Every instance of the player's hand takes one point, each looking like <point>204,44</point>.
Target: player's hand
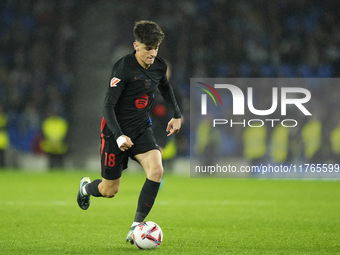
<point>174,126</point>
<point>124,142</point>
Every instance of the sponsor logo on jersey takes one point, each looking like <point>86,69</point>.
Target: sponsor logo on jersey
<point>114,82</point>
<point>142,101</point>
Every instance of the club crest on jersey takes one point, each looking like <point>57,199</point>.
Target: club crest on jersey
<point>114,82</point>
<point>147,84</point>
<point>142,101</point>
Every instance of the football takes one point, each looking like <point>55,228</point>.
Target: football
<point>147,235</point>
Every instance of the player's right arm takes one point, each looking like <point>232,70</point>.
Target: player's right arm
<point>124,142</point>
<point>117,85</point>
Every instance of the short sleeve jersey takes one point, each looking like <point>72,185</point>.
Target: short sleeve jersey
<point>131,93</point>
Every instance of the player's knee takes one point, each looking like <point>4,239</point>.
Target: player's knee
<point>156,174</point>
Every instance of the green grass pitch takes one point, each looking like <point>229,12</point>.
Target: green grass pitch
<point>39,215</point>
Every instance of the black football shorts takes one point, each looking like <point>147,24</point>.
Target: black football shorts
<point>114,161</point>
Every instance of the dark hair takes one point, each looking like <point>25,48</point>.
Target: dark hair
<point>148,33</point>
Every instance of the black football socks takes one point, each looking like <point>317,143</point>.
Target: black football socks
<point>92,188</point>
<point>146,199</point>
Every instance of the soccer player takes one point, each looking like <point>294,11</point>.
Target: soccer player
<point>126,125</point>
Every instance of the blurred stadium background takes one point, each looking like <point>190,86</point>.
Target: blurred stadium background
<point>56,58</point>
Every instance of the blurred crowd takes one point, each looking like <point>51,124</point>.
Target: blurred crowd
<point>215,38</point>
<point>204,38</point>
<point>36,70</point>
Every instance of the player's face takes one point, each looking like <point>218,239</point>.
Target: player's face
<point>145,54</point>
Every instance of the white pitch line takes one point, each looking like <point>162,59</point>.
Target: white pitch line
<point>161,203</point>
<point>216,202</point>
<point>26,203</point>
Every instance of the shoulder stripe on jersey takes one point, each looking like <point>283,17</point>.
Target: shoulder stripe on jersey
<point>114,82</point>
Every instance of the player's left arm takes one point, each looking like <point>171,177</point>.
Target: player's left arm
<point>174,125</point>
<point>167,93</point>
